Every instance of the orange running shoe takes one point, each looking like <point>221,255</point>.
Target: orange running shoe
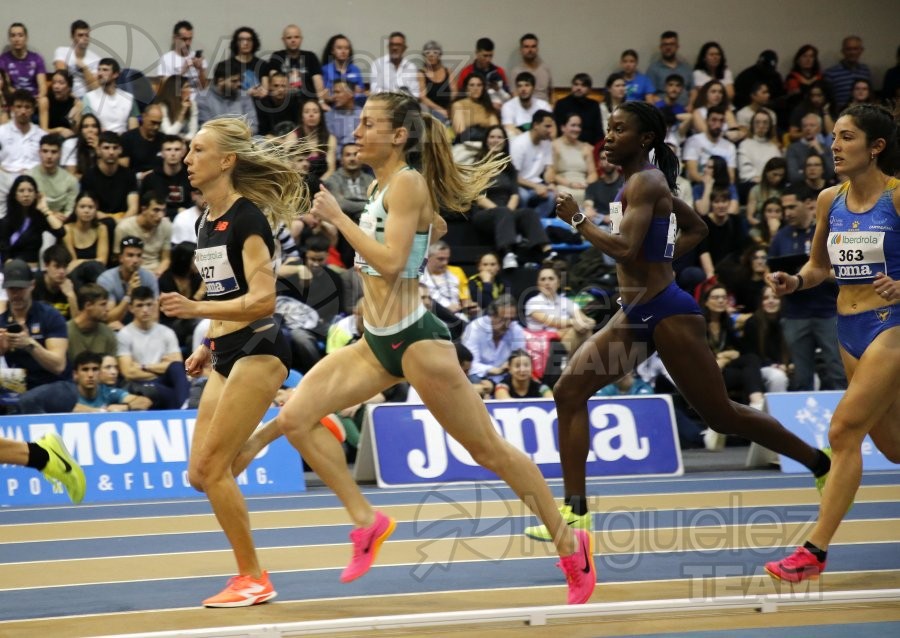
<point>243,591</point>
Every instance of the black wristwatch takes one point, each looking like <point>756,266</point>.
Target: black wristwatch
<point>577,218</point>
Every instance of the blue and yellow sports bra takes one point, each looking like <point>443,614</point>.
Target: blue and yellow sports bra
<point>861,245</point>
<point>659,242</point>
<point>372,222</point>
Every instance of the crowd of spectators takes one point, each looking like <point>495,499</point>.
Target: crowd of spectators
<point>97,214</point>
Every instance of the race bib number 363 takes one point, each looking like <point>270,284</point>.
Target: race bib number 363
<point>857,255</point>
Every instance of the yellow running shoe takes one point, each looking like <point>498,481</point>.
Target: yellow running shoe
<point>821,480</point>
<point>573,520</point>
<point>62,468</point>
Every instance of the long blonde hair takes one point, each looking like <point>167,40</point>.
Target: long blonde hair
<point>264,172</point>
<point>452,187</point>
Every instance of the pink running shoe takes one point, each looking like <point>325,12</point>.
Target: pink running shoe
<point>579,569</point>
<point>799,566</point>
<point>366,543</point>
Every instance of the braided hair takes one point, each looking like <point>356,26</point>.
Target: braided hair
<point>652,121</point>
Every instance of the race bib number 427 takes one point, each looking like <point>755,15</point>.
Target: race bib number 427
<point>216,270</point>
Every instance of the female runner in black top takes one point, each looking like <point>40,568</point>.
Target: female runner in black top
<point>248,189</point>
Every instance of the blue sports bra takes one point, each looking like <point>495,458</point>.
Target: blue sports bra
<point>659,242</point>
<point>861,245</point>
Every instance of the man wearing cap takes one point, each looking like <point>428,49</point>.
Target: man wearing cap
<point>128,275</point>
<point>33,335</point>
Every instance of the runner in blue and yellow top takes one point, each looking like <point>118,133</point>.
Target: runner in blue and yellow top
<point>402,339</point>
<point>857,241</point>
